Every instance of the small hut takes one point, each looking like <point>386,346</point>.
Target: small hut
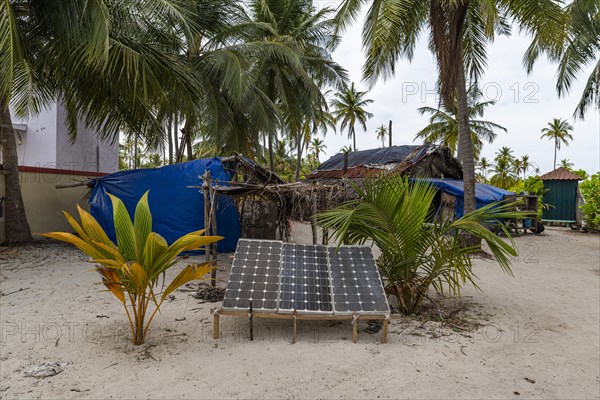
<point>426,160</point>
<point>562,188</point>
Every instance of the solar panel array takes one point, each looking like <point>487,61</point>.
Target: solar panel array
<point>310,279</point>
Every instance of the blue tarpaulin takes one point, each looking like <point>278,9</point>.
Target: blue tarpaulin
<point>176,208</point>
<point>484,194</point>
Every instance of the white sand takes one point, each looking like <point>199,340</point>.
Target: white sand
<point>542,325</point>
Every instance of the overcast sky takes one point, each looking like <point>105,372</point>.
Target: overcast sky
<point>524,112</point>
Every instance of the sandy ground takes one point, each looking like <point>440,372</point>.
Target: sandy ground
<point>534,335</point>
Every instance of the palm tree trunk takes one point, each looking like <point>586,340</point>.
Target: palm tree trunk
<point>188,142</point>
<point>299,158</point>
<point>175,137</point>
<point>465,142</point>
<point>354,139</point>
<point>555,149</point>
<point>135,152</point>
<point>170,139</point>
<point>17,228</point>
<point>271,155</point>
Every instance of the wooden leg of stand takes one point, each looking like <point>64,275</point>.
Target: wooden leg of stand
<point>384,331</point>
<point>216,325</point>
<point>354,330</point>
<point>294,333</point>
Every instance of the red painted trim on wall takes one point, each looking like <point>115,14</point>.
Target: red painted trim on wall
<point>58,171</point>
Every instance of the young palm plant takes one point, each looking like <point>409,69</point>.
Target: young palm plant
<point>418,251</point>
<point>130,269</point>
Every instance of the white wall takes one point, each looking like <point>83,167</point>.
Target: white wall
<point>88,152</point>
<point>46,144</point>
<point>37,147</point>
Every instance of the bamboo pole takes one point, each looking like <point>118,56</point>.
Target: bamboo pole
<point>313,217</point>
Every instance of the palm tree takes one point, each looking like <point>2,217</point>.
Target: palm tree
<point>317,146</point>
<point>346,149</point>
<point>349,108</point>
<point>575,49</point>
<point>524,165</point>
<point>293,68</point>
<point>566,164</point>
<point>382,132</point>
<point>484,166</point>
<point>417,253</point>
<point>443,125</point>
<point>504,174</point>
<point>85,53</point>
<point>559,131</point>
<point>505,154</point>
<point>459,30</point>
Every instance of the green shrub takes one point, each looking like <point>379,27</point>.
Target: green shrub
<point>590,190</point>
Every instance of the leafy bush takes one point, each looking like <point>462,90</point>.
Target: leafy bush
<point>416,254</point>
<point>130,270</point>
<point>590,190</point>
<point>534,186</point>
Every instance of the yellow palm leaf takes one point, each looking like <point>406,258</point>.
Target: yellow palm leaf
<point>136,277</point>
<point>124,229</point>
<point>142,224</point>
<point>92,228</point>
<point>81,244</point>
<point>189,273</point>
<point>110,279</point>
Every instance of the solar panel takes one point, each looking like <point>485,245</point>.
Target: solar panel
<point>309,279</point>
<point>305,282</point>
<point>254,276</point>
<point>356,284</point>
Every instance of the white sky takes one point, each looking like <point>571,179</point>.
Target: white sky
<point>523,114</point>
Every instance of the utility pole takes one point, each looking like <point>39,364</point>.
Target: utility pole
<point>390,132</point>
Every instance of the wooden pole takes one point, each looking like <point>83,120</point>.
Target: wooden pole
<point>205,193</point>
<point>213,224</point>
<point>216,325</point>
<point>294,333</point>
<point>313,217</point>
<point>250,322</point>
<point>390,132</point>
<point>384,331</point>
<point>354,329</point>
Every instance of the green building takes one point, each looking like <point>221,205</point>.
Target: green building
<point>562,187</point>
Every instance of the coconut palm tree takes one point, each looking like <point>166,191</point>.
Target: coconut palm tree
<point>484,166</point>
<point>505,154</point>
<point>558,130</point>
<point>458,30</point>
<point>346,149</point>
<point>524,165</point>
<point>504,173</point>
<point>85,53</point>
<point>317,146</point>
<point>382,132</point>
<point>566,164</point>
<point>577,48</point>
<point>443,124</point>
<point>349,108</point>
<point>293,66</point>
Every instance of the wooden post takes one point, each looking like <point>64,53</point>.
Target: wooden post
<point>213,224</point>
<point>345,163</point>
<point>313,217</point>
<point>354,328</point>
<point>250,322</point>
<point>390,132</point>
<point>384,330</point>
<point>216,324</point>
<point>294,333</point>
<point>205,191</point>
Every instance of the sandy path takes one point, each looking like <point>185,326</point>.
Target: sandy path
<point>542,325</point>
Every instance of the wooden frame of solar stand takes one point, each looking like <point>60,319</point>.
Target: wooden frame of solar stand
<point>295,317</point>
